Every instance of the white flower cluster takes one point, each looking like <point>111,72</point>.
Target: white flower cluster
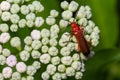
<point>4,37</point>
<point>49,46</point>
<point>57,67</point>
<point>10,10</point>
<point>83,16</point>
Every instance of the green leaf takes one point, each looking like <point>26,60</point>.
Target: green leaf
<point>95,65</point>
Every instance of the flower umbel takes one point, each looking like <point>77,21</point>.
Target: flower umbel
<point>33,44</point>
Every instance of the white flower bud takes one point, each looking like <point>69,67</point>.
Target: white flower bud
<point>87,8</point>
<point>11,61</point>
<point>87,37</point>
<point>51,69</point>
<point>91,23</point>
<point>56,76</point>
<point>94,35</point>
<point>54,13</point>
<point>66,36</point>
<point>94,42</point>
<point>28,40</point>
<point>71,46</point>
<point>28,48</point>
<point>53,42</point>
<point>16,76</point>
<point>24,55</point>
<point>62,43</point>
<point>14,27</point>
<point>96,30</point>
<point>31,7</point>
<point>5,16</point>
<point>4,27</point>
<point>14,18</point>
<point>6,52</point>
<point>45,41</point>
<point>54,35</point>
<point>2,60</point>
<point>30,16</point>
<point>53,51</point>
<point>21,67</point>
<point>75,57</point>
<point>82,21</point>
<point>80,14</point>
<point>67,60</point>
<point>73,6</point>
<point>70,71</point>
<point>22,23</point>
<point>88,14</point>
<point>35,34</point>
<point>24,9</point>
<point>45,76</point>
<point>78,75</point>
<point>83,67</point>
<point>39,21</point>
<point>55,60</point>
<point>45,33</point>
<point>63,23</point>
<point>30,78</point>
<point>61,68</point>
<point>65,51</point>
<point>88,29</point>
<point>4,37</point>
<point>64,5</point>
<point>50,20</point>
<point>38,6</point>
<point>67,15</point>
<point>31,70</point>
<point>45,58</point>
<point>44,49</point>
<point>35,54</point>
<point>16,42</point>
<point>54,29</point>
<point>7,72</point>
<point>30,23</point>
<point>76,65</point>
<point>63,76</point>
<point>15,8</point>
<point>5,5</point>
<point>36,44</point>
<point>36,64</point>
